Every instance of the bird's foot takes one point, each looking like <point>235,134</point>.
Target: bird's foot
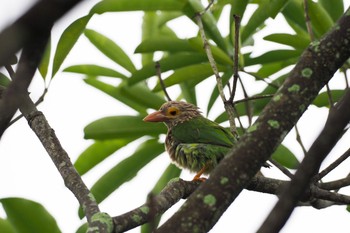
<point>201,179</point>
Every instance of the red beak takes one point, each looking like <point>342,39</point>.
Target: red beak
<point>157,116</point>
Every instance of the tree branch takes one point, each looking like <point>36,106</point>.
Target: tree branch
<point>205,206</point>
<point>228,106</point>
<point>178,189</point>
<point>36,22</point>
<point>30,32</point>
<point>60,158</point>
<point>339,117</point>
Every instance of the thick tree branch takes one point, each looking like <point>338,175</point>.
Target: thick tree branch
<point>179,189</point>
<point>339,117</point>
<point>15,93</point>
<point>36,22</point>
<point>40,126</point>
<point>314,69</point>
<point>30,32</point>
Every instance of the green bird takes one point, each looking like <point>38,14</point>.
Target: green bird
<point>193,141</point>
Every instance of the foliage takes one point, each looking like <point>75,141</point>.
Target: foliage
<point>189,67</point>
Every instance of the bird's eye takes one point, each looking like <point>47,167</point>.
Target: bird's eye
<point>173,111</point>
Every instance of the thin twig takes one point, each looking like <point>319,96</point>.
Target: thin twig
<point>211,2</point>
<point>330,98</point>
<point>236,57</point>
<point>308,20</point>
<point>346,79</point>
<point>247,104</point>
<point>40,100</point>
<point>332,166</point>
<point>298,138</point>
<point>228,106</point>
<point>252,98</point>
<point>281,168</point>
<point>159,74</point>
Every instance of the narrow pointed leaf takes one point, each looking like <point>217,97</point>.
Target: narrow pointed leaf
<point>29,216</point>
<point>45,61</point>
<point>219,55</point>
<point>137,97</point>
<point>271,68</point>
<point>150,29</point>
<point>94,70</point>
<point>285,157</point>
<point>335,8</point>
<point>67,40</point>
<point>121,127</point>
<point>97,152</point>
<point>6,226</point>
<point>322,100</point>
<point>294,13</point>
<point>295,41</point>
<point>172,62</point>
<point>266,10</point>
<point>109,48</point>
<point>126,169</point>
<point>4,80</point>
<point>164,44</point>
<point>193,74</point>
<point>209,22</point>
<point>272,56</point>
<point>215,93</point>
<point>320,19</point>
<point>136,5</point>
<point>188,92</point>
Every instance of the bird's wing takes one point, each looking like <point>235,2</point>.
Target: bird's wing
<point>202,130</point>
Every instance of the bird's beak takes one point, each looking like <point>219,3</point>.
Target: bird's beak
<point>157,116</point>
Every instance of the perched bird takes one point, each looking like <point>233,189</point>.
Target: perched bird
<point>193,141</point>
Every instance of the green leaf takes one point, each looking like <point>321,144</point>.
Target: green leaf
<point>164,44</point>
<point>193,74</point>
<point>294,14</point>
<point>322,100</point>
<point>209,22</point>
<point>172,62</point>
<point>67,40</point>
<point>83,228</point>
<point>97,152</point>
<point>271,68</point>
<point>126,169</point>
<point>6,226</point>
<point>335,8</point>
<point>215,93</point>
<point>94,70</point>
<point>272,56</point>
<point>136,5</point>
<point>295,41</point>
<point>110,49</point>
<point>320,20</point>
<point>138,96</point>
<point>150,29</point>
<point>4,80</point>
<point>188,92</point>
<point>122,127</point>
<point>45,61</point>
<point>28,216</point>
<point>285,157</point>
<point>219,55</point>
<point>265,10</point>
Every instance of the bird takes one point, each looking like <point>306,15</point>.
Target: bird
<point>193,142</point>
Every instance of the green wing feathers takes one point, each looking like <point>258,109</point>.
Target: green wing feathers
<point>202,130</point>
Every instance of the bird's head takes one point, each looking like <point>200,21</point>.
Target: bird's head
<point>173,113</point>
